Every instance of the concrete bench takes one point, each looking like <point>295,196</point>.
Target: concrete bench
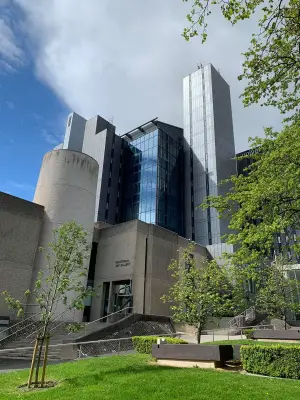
<point>192,355</point>
<point>4,321</point>
<point>269,335</point>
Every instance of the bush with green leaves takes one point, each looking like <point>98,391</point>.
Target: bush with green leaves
<point>143,344</point>
<point>276,360</point>
<point>248,333</point>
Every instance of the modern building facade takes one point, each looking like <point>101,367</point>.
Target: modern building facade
<point>128,263</point>
<point>140,172</point>
<point>153,173</point>
<point>138,196</point>
<point>209,151</point>
<point>160,173</point>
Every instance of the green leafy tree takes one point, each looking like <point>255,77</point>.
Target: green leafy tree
<point>62,282</point>
<point>200,291</point>
<point>277,292</point>
<point>265,201</point>
<point>272,62</point>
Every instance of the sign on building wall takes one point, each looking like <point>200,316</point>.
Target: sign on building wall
<point>122,263</point>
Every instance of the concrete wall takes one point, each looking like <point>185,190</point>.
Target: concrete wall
<point>101,143</point>
<point>73,139</point>
<point>67,189</point>
<point>149,250</point>
<point>20,226</point>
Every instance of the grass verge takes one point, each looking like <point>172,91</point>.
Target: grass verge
<point>134,377</point>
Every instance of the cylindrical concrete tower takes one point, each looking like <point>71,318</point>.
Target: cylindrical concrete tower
<point>67,189</point>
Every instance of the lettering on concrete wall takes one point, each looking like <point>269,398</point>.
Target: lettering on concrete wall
<point>122,263</point>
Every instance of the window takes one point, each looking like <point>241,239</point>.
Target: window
<point>189,261</point>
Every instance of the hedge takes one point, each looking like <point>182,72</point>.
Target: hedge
<point>276,360</point>
<point>143,344</point>
<point>248,333</point>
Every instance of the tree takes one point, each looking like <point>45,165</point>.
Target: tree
<point>200,291</point>
<point>272,61</point>
<point>62,283</point>
<point>265,202</point>
<point>277,293</point>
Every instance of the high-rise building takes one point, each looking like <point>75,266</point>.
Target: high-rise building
<point>209,151</point>
<point>159,173</point>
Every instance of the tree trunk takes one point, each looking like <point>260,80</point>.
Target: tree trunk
<point>284,321</point>
<point>199,330</point>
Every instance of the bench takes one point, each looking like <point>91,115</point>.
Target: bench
<point>192,355</point>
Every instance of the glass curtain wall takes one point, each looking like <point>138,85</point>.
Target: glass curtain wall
<point>141,177</point>
<point>169,184</point>
<point>154,168</point>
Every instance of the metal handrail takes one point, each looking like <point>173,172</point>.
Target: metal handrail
<point>109,315</point>
<point>59,316</point>
<point>62,322</point>
<point>91,342</point>
<point>233,321</point>
<point>10,327</point>
<point>240,328</point>
<point>20,330</point>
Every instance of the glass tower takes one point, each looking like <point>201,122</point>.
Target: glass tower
<point>153,174</point>
<point>209,151</point>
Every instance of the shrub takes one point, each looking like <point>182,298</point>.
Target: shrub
<point>248,333</point>
<point>276,360</point>
<point>143,344</point>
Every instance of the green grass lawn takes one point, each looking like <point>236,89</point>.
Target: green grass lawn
<point>133,377</point>
<point>249,341</point>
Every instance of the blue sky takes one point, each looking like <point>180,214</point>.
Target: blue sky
<point>32,118</point>
<point>31,123</point>
<point>120,59</point>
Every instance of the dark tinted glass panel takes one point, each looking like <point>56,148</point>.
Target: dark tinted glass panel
<point>154,178</point>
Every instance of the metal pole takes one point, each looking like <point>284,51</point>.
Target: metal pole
<point>80,351</point>
<point>213,336</point>
<point>228,334</point>
<point>119,345</point>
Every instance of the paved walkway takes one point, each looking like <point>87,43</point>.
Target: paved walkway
<point>211,338</point>
<point>8,364</point>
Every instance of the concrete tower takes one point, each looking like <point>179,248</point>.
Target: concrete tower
<point>74,134</point>
<point>209,151</point>
<point>67,189</point>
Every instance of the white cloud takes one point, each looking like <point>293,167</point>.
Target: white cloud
<point>11,54</point>
<point>127,59</point>
<point>6,68</point>
<point>36,117</point>
<point>10,105</point>
<point>49,137</point>
<point>21,185</point>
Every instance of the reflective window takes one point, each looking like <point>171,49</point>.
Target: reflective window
<point>153,179</point>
